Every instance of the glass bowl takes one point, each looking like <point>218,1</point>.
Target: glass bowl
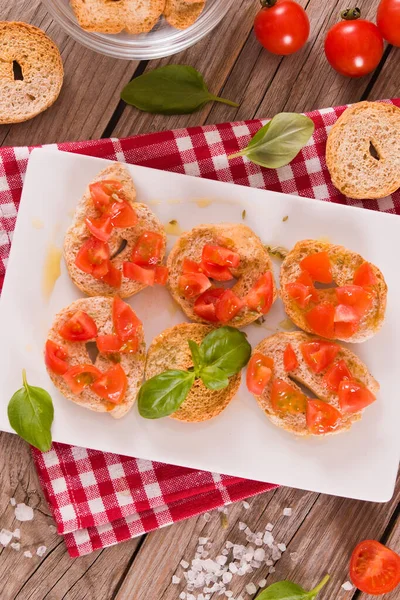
<point>162,41</point>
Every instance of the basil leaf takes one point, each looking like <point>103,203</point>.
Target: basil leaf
<point>196,356</point>
<point>170,90</point>
<point>226,348</point>
<point>30,412</point>
<point>279,141</point>
<point>214,378</point>
<point>286,590</point>
<point>163,394</point>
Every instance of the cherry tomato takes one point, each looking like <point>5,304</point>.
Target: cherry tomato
<point>354,47</point>
<point>81,376</point>
<point>282,26</point>
<point>148,249</point>
<point>161,275</point>
<point>356,297</point>
<point>321,319</point>
<point>122,215</point>
<point>204,306</point>
<point>364,275</point>
<point>290,362</point>
<point>319,354</point>
<point>78,328</point>
<point>216,271</point>
<point>101,228</point>
<point>227,306</point>
<point>218,255</point>
<point>138,273</point>
<point>321,417</point>
<point>55,357</point>
<point>318,266</point>
<point>374,569</point>
<point>111,385</point>
<point>259,372</point>
<point>125,320</point>
<point>113,277</point>
<point>354,396</point>
<point>261,295</point>
<point>93,258</point>
<point>286,399</point>
<point>335,374</point>
<point>388,21</point>
<point>109,343</point>
<point>192,285</point>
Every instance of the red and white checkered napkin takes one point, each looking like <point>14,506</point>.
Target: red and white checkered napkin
<point>100,499</point>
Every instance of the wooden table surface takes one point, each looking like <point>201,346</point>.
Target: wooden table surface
<point>323,529</point>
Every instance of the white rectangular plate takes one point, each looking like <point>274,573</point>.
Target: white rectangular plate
<point>361,463</point>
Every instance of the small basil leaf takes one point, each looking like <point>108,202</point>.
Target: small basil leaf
<point>226,348</point>
<point>163,394</point>
<point>31,413</point>
<point>170,90</point>
<point>214,378</point>
<point>286,590</point>
<point>196,356</point>
<point>279,141</point>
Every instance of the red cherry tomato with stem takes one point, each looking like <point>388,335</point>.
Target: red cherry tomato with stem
<point>282,26</point>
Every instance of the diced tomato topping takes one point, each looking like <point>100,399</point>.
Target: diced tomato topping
<point>302,290</point>
<point>192,285</point>
<point>286,399</point>
<point>55,357</point>
<point>354,396</point>
<point>365,276</point>
<point>228,305</point>
<point>306,280</point>
<point>374,568</point>
<point>101,228</point>
<point>290,362</point>
<point>111,385</point>
<point>161,275</point>
<point>122,215</point>
<point>218,255</point>
<point>204,306</point>
<point>346,330</point>
<point>259,372</point>
<point>78,328</point>
<point>101,192</point>
<point>355,296</point>
<point>148,249</point>
<point>216,271</point>
<point>81,376</point>
<point>261,295</point>
<point>335,374</point>
<point>319,354</point>
<point>321,417</point>
<point>109,343</point>
<point>318,266</point>
<point>113,277</point>
<point>93,258</point>
<point>345,314</point>
<point>190,266</point>
<point>320,319</point>
<point>125,320</point>
<point>137,273</point>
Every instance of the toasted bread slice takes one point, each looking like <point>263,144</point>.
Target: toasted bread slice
<point>254,262</point>
<point>344,263</point>
<point>170,350</point>
<point>78,233</point>
<point>274,347</point>
<point>363,150</point>
<point>181,14</point>
<point>132,16</point>
<point>41,67</point>
<point>100,310</point>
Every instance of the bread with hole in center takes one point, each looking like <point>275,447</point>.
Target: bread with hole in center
<point>105,16</point>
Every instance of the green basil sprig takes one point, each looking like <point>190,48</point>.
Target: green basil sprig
<point>31,413</point>
<point>221,354</point>
<point>170,90</point>
<point>279,141</point>
<point>286,590</point>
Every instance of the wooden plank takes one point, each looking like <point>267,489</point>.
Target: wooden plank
<point>387,84</point>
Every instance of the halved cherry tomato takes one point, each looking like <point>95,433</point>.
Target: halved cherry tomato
<point>228,305</point>
<point>93,258</point>
<point>302,290</point>
<point>161,275</point>
<point>122,215</point>
<point>125,320</point>
<point>216,271</point>
<point>290,362</point>
<point>354,396</point>
<point>354,295</point>
<point>364,275</point>
<point>148,249</point>
<point>101,192</point>
<point>78,328</point>
<point>346,330</point>
<point>321,417</point>
<point>192,285</point>
<point>190,266</point>
<point>113,277</point>
<point>101,228</point>
<point>319,354</point>
<point>346,314</point>
<point>261,295</point>
<point>204,306</point>
<point>335,374</point>
<point>137,273</point>
<point>111,385</point>
<point>374,569</point>
<point>259,372</point>
<point>55,357</point>
<point>321,319</point>
<point>81,376</point>
<point>318,266</point>
<point>285,398</point>
<point>218,255</point>
<point>109,343</point>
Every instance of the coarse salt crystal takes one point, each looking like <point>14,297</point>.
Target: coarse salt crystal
<point>245,504</point>
<point>182,596</point>
<point>258,542</point>
<point>227,577</point>
<point>251,588</point>
<point>225,552</point>
<point>269,527</point>
<point>248,531</point>
<point>184,564</point>
<point>228,594</point>
<point>229,545</point>
<point>262,583</point>
<point>200,549</point>
<point>221,560</point>
<point>271,570</point>
<point>5,537</point>
<point>347,586</point>
<point>287,512</point>
<point>294,556</point>
<point>28,554</point>
<point>233,568</point>
<point>175,579</point>
<point>256,564</point>
<point>207,516</point>
<point>41,551</point>
<point>23,512</point>
<point>223,510</point>
<point>242,526</point>
<point>268,539</point>
<point>52,528</point>
<point>17,533</point>
<point>259,554</point>
<point>15,546</point>
<point>203,541</point>
<point>13,501</point>
<point>190,597</point>
<point>275,553</point>
<point>269,562</point>
<point>282,547</point>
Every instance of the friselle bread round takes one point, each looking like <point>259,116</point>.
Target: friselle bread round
<point>363,150</point>
<point>100,310</point>
<point>41,67</point>
<point>170,350</point>
<point>274,347</point>
<point>105,16</point>
<point>181,14</point>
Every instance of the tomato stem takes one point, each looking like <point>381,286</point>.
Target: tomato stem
<point>268,3</point>
<point>351,14</point>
